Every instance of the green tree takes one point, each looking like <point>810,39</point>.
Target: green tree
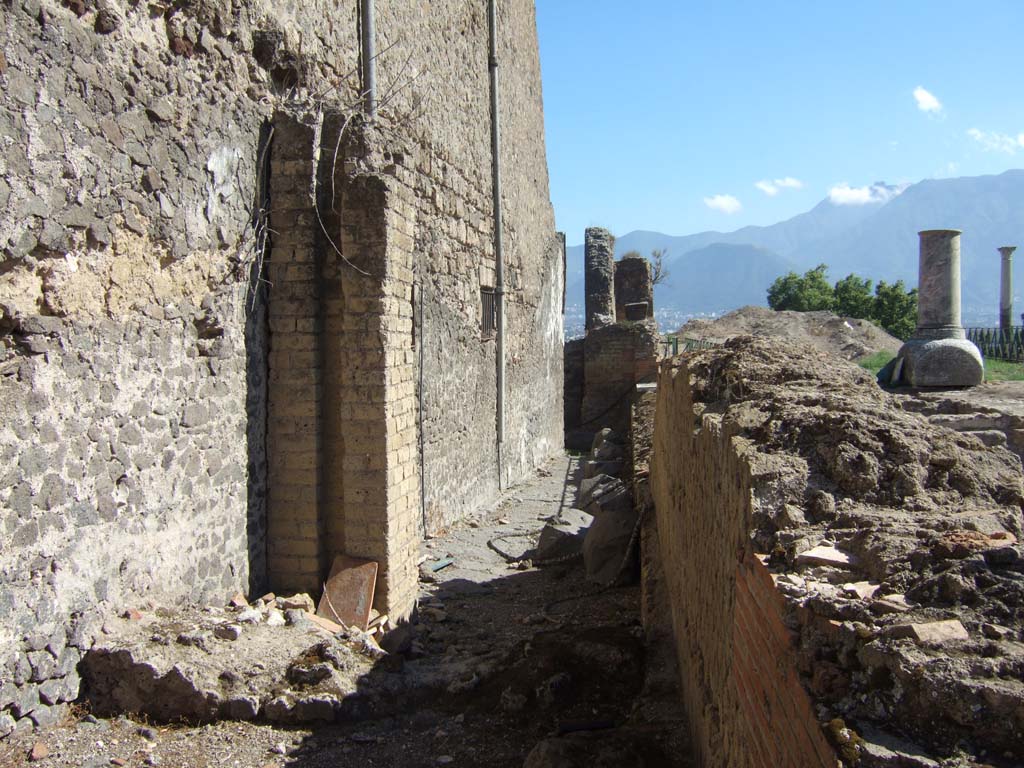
<point>895,308</point>
<point>805,293</point>
<point>892,307</point>
<point>853,297</point>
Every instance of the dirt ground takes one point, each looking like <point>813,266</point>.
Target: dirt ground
<point>847,337</point>
<point>549,658</point>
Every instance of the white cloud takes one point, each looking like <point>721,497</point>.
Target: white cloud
<point>723,203</point>
<point>771,187</point>
<point>926,101</point>
<point>992,141</point>
<point>879,192</point>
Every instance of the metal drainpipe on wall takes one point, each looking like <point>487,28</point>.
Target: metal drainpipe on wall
<point>499,261</point>
<point>368,51</point>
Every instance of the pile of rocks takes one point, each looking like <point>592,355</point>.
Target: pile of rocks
<point>603,526</point>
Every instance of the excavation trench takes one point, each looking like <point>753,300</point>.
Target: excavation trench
<point>508,664</point>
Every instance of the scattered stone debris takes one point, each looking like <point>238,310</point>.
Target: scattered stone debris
<point>201,666</point>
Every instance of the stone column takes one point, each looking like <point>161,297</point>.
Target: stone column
<point>938,285</point>
<point>1006,288</point>
<point>939,354</point>
<point>599,277</point>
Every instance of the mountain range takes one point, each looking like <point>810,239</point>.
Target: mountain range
<point>719,271</point>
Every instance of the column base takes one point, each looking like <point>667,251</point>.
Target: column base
<point>941,363</point>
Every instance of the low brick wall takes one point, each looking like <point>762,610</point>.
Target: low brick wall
<point>745,705</point>
<point>615,359</point>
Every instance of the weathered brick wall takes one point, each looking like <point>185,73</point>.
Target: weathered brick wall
<point>134,166</point>
<point>573,372</point>
<point>296,555</point>
<point>615,359</point>
<point>745,705</point>
<point>633,286</point>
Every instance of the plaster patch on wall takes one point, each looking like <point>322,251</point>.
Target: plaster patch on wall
<point>134,273</point>
<point>222,169</point>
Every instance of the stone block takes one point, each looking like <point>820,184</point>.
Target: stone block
<point>826,555</point>
<point>931,633</point>
<point>563,537</point>
<point>606,548</point>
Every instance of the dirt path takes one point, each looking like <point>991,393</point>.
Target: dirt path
<point>497,667</point>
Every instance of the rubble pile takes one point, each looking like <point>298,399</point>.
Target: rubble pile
<point>272,660</point>
<point>895,543</point>
<point>602,527</point>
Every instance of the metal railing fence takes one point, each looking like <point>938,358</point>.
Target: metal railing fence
<point>998,343</point>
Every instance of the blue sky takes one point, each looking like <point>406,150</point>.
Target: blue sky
<point>666,114</point>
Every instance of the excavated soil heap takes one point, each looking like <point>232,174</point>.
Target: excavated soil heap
<point>881,531</point>
<point>848,337</point>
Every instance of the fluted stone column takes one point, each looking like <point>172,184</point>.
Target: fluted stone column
<point>939,354</point>
<point>1006,288</point>
<point>599,277</point>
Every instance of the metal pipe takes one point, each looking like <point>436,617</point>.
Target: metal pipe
<point>369,56</point>
<point>499,252</point>
<point>419,415</point>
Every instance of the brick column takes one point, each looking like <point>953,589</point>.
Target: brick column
<point>373,504</point>
<point>294,542</point>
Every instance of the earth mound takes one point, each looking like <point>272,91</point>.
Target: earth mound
<point>848,337</point>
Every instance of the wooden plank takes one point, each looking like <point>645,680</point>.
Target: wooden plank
<point>348,594</point>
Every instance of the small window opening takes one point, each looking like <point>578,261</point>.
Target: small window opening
<point>488,313</point>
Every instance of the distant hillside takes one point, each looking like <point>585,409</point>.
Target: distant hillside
<point>877,240</point>
<point>696,278</point>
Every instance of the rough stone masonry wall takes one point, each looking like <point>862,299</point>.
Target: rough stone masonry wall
<point>434,258</point>
<point>615,359</point>
<point>454,259</point>
<point>819,541</point>
<point>133,141</point>
<point>133,342</point>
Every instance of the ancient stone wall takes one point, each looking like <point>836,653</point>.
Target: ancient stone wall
<point>599,277</point>
<point>634,289</point>
<point>573,362</point>
<point>455,259</point>
<point>141,165</point>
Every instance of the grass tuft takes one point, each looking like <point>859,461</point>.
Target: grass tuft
<point>877,361</point>
<point>1000,370</point>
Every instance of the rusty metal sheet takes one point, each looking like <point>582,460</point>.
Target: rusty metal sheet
<point>348,594</point>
